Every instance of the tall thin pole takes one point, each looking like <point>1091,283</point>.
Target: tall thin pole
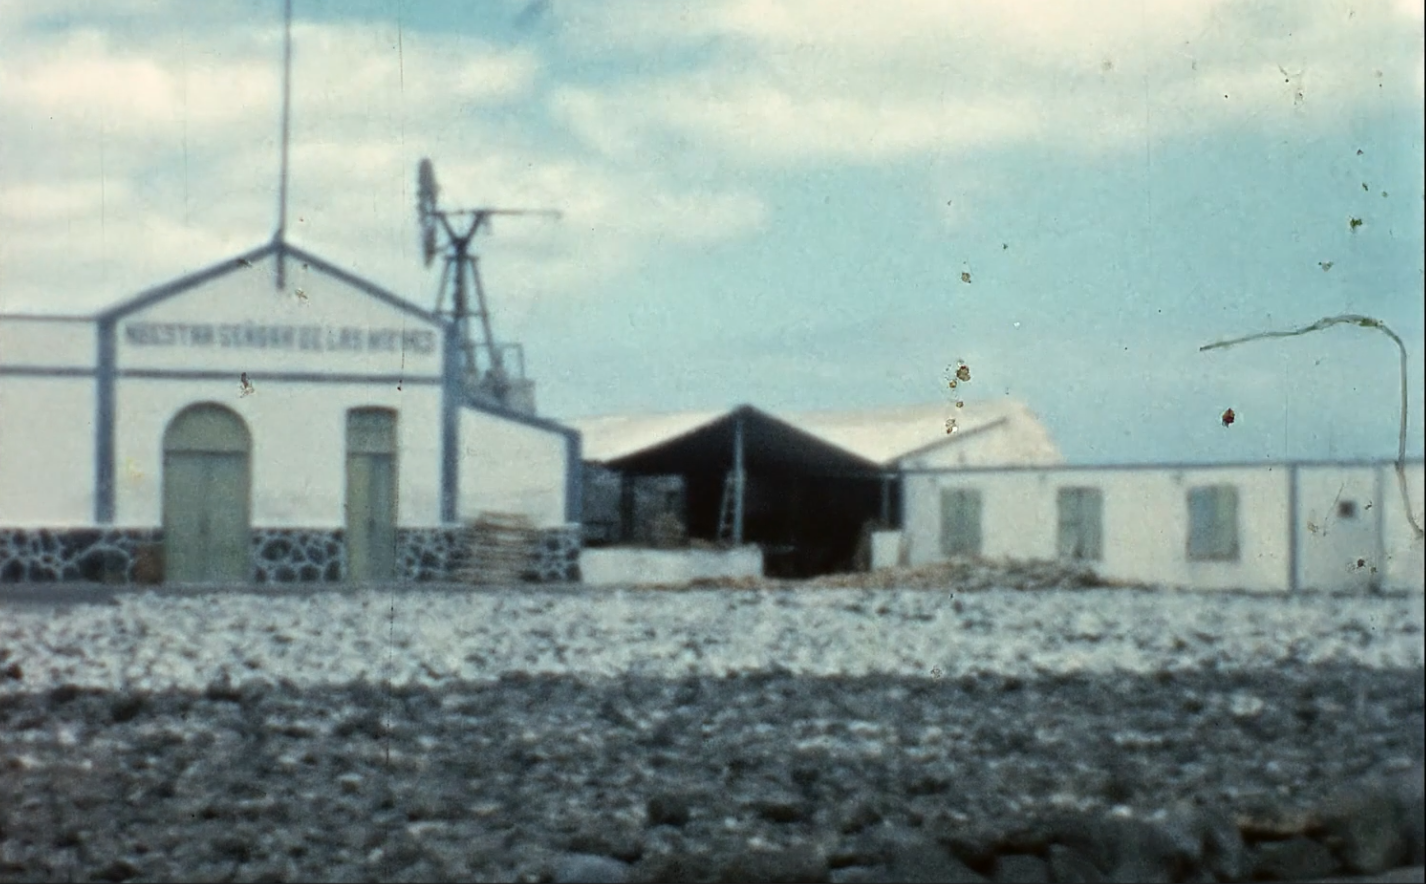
<point>739,481</point>
<point>280,237</point>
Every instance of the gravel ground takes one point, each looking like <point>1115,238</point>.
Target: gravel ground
<point>835,734</point>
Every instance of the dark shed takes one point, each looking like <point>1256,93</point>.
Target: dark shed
<point>749,477</point>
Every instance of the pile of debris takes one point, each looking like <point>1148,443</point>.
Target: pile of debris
<point>961,574</point>
<point>497,549</point>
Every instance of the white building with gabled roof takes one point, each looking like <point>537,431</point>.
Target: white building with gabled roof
<point>222,427</point>
<point>1001,432</point>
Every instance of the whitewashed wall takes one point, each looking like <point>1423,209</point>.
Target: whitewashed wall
<point>317,325</point>
<point>46,424</point>
<point>508,467</point>
<point>47,342</point>
<point>46,452</point>
<point>335,328</point>
<point>1330,543</point>
<point>1145,526</point>
<point>1405,564</point>
<point>299,447</point>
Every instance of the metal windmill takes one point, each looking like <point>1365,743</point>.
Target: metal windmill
<point>450,231</point>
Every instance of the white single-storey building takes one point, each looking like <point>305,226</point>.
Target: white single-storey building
<point>270,418</point>
<point>1258,527</point>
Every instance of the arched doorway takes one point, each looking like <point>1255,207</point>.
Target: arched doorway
<point>207,536</point>
<point>371,494</point>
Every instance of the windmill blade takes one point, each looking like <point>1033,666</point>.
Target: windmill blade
<point>426,194</point>
<point>428,240</point>
<point>426,182</point>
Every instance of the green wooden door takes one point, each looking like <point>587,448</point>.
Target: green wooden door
<point>206,487</point>
<point>371,495</point>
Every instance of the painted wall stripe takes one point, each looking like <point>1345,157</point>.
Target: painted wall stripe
<point>46,371</point>
<point>450,422</point>
<point>1294,577</point>
<point>574,480</point>
<point>104,425</point>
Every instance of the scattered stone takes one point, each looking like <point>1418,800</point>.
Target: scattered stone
<point>1224,854</point>
<point>1271,821</point>
<point>628,847</point>
<point>862,875</point>
<point>798,864</point>
<point>768,775</point>
<point>1364,828</point>
<point>1070,867</point>
<point>861,815</point>
<point>118,870</point>
<point>126,707</point>
<point>782,809</point>
<point>1020,868</point>
<point>668,809</point>
<point>918,860</point>
<point>1294,859</point>
<point>583,868</point>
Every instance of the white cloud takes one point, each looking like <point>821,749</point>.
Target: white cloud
<point>129,160</point>
<point>832,80</point>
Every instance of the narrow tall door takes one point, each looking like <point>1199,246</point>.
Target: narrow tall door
<point>371,495</point>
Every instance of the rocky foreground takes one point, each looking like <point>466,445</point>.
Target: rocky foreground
<point>716,736</point>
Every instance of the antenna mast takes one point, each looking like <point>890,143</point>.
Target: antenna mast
<point>459,227</point>
<point>279,238</point>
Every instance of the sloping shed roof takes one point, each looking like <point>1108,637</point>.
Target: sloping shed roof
<point>886,437</point>
<point>667,444</point>
<point>612,437</point>
<point>889,435</point>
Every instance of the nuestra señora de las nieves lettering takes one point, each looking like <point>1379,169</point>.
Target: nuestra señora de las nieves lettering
<point>261,336</point>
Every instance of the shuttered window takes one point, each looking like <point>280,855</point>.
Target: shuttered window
<point>1213,523</point>
<point>1081,524</point>
<point>960,522</point>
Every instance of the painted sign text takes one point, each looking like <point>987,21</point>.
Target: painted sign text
<point>253,336</point>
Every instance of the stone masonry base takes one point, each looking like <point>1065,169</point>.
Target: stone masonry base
<point>279,555</point>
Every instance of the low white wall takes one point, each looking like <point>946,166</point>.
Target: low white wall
<point>650,567</point>
<point>886,549</point>
<point>509,467</point>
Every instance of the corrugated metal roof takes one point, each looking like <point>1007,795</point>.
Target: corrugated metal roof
<point>880,435</point>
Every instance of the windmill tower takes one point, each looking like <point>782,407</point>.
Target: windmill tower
<point>487,366</point>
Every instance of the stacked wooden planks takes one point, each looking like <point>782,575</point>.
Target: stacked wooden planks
<point>498,549</point>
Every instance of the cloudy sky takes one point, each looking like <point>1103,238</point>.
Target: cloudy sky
<point>798,204</point>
